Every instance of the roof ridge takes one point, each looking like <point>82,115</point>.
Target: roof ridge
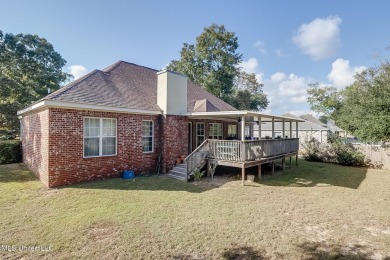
<point>116,64</point>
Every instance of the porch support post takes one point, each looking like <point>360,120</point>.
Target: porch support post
<point>296,160</point>
<point>290,129</point>
<point>243,174</point>
<point>290,163</point>
<point>273,128</point>
<point>259,118</point>
<point>283,164</point>
<point>259,171</point>
<point>273,167</point>
<point>243,128</point>
<point>296,129</point>
<point>283,132</point>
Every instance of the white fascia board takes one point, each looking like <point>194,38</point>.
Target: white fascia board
<point>242,113</point>
<point>82,106</point>
<point>218,113</point>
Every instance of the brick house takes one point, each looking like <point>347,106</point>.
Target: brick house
<point>125,116</point>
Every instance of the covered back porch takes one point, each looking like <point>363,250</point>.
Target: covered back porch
<point>244,150</point>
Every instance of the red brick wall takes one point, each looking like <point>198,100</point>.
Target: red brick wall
<point>35,143</point>
<point>66,162</point>
<point>54,151</point>
<point>175,140</point>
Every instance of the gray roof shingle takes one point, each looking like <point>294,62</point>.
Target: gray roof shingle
<point>128,85</point>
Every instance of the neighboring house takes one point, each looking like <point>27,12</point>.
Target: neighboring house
<point>330,125</point>
<point>128,116</point>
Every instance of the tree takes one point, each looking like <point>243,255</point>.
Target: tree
<point>248,93</point>
<point>213,63</point>
<point>362,108</point>
<point>29,66</point>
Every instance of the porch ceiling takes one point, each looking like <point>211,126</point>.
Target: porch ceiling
<point>233,115</point>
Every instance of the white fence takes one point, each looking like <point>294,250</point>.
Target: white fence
<point>378,156</point>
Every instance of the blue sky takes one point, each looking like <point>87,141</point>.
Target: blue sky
<point>288,44</point>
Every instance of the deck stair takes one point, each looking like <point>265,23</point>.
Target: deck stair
<point>179,171</point>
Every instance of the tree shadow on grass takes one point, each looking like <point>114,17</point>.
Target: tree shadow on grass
<point>243,253</point>
<point>151,183</point>
<point>310,174</point>
<point>16,172</point>
<point>324,251</point>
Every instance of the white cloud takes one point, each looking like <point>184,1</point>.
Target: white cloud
<point>278,77</point>
<point>286,93</point>
<point>320,38</point>
<point>293,86</point>
<point>260,46</point>
<point>342,74</point>
<point>77,71</point>
<point>278,52</point>
<point>252,66</point>
<point>299,99</point>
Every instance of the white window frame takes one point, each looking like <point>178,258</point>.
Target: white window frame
<point>217,137</point>
<point>101,137</point>
<point>142,136</point>
<point>196,132</point>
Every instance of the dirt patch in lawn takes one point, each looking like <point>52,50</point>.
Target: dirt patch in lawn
<point>103,231</point>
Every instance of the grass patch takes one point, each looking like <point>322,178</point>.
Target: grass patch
<point>314,211</point>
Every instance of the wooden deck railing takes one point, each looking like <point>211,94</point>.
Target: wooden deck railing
<point>197,159</point>
<point>252,150</point>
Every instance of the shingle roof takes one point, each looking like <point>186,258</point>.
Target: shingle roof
<point>312,119</point>
<point>128,85</point>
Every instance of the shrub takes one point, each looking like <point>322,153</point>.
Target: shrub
<point>198,174</point>
<point>337,152</point>
<point>10,152</point>
<point>346,154</point>
<point>314,151</point>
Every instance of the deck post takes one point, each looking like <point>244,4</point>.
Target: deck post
<point>283,163</point>
<point>283,130</point>
<point>296,160</point>
<point>273,128</point>
<point>296,129</point>
<point>290,163</point>
<point>243,174</point>
<point>243,128</point>
<point>259,118</point>
<point>273,167</point>
<point>290,129</point>
<point>259,171</point>
<point>208,168</point>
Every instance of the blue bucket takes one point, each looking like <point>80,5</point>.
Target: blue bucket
<point>128,175</point>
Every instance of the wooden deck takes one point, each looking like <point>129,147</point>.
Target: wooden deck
<point>242,154</point>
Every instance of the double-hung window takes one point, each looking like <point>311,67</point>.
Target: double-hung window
<point>147,136</point>
<point>215,131</point>
<point>99,136</point>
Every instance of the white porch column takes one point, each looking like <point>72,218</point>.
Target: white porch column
<point>259,118</point>
<point>290,129</point>
<point>283,130</point>
<point>243,128</point>
<point>296,129</point>
<point>273,128</point>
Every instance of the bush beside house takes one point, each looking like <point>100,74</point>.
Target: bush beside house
<point>10,152</point>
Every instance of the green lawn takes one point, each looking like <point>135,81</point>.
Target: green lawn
<point>314,211</point>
